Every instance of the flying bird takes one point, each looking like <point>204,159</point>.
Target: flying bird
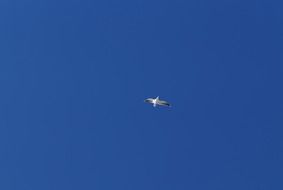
<point>156,101</point>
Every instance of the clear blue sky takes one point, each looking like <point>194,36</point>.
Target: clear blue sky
<point>74,74</point>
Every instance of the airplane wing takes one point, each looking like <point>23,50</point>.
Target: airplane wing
<point>149,100</point>
<point>163,103</point>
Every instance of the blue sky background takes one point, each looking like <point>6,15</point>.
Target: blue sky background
<point>74,74</point>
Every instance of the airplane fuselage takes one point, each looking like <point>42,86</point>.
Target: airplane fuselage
<point>154,102</point>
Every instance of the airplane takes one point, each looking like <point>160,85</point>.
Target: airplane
<point>156,101</point>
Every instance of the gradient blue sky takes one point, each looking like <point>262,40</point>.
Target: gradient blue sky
<point>74,74</point>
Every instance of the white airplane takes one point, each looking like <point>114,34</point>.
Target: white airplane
<point>156,101</point>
